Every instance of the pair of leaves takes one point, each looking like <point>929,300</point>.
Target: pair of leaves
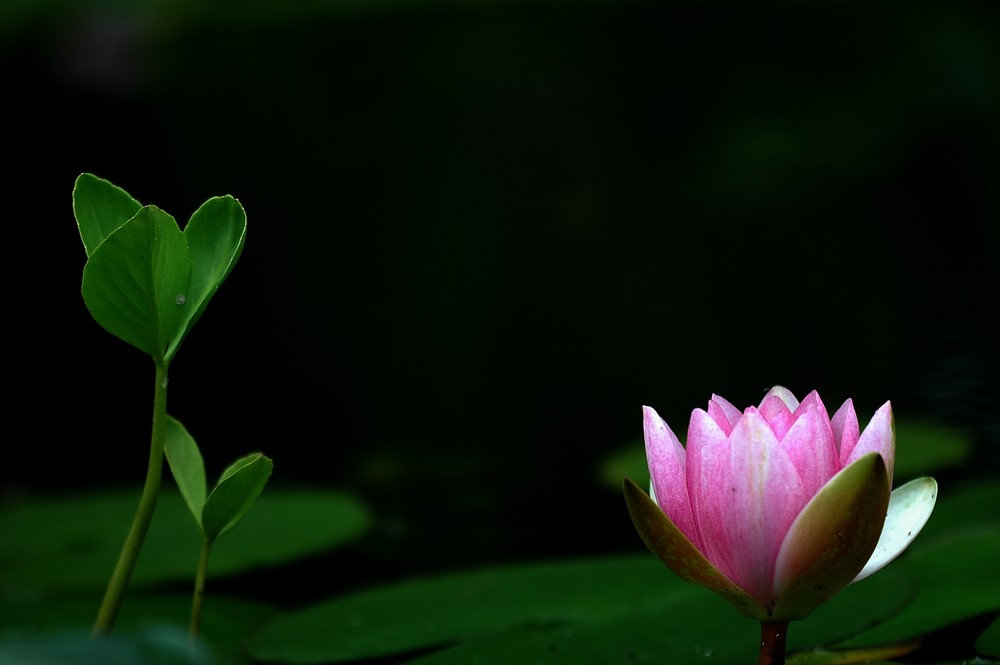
<point>238,487</point>
<point>146,281</point>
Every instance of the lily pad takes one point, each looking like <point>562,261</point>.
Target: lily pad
<point>551,612</point>
<point>156,645</point>
<point>959,507</point>
<point>708,632</point>
<point>924,446</point>
<point>71,543</point>
<point>988,643</point>
<point>225,621</point>
<point>689,630</point>
<point>438,610</point>
<point>956,579</point>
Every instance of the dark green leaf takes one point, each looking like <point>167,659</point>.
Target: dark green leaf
<point>100,208</point>
<point>858,607</point>
<point>438,610</point>
<point>923,447</point>
<point>156,645</point>
<point>608,607</point>
<point>225,622</point>
<point>959,507</point>
<point>690,629</point>
<point>956,579</point>
<point>187,466</point>
<point>71,543</point>
<point>988,643</point>
<point>679,632</point>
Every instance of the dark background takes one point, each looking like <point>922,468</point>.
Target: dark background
<point>482,235</point>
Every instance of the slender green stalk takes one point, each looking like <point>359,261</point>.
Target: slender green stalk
<point>115,593</point>
<point>199,587</point>
<point>773,635</point>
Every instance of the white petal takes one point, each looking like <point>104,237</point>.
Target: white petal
<point>909,508</point>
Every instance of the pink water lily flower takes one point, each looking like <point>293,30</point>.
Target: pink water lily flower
<point>777,507</point>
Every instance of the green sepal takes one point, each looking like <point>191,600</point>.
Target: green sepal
<point>831,539</point>
<point>672,547</point>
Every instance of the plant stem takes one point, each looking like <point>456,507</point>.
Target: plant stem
<point>114,595</point>
<point>772,642</point>
<point>199,587</point>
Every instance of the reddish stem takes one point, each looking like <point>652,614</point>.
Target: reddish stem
<point>772,642</point>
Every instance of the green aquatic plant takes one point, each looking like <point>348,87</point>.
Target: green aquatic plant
<point>148,282</point>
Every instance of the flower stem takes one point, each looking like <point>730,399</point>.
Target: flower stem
<point>772,642</point>
<point>114,595</point>
<point>199,588</point>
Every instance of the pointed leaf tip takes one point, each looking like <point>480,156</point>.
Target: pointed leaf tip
<point>186,465</point>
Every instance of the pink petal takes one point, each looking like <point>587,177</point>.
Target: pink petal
<point>665,456</point>
<point>810,445</point>
<point>777,414</point>
<point>750,500</point>
<point>811,398</point>
<point>724,412</point>
<point>707,467</point>
<point>846,430</point>
<point>879,437</point>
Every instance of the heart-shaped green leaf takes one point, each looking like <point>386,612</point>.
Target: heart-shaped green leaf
<point>100,208</point>
<point>149,286</point>
<point>186,465</point>
<point>240,485</point>
<point>135,283</point>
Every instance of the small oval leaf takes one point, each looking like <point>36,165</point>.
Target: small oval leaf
<point>186,465</point>
<point>238,488</point>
